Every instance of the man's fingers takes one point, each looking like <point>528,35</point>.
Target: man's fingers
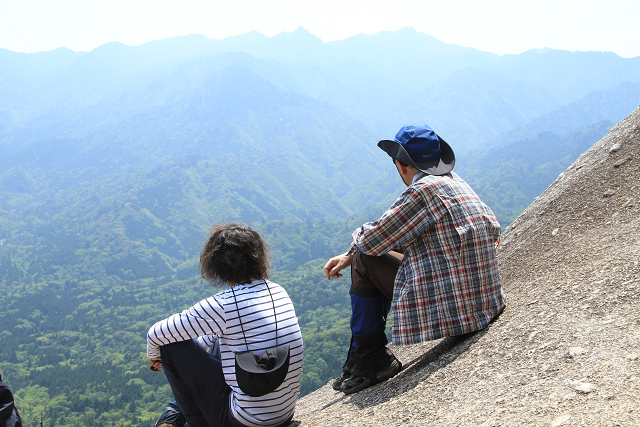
<point>334,272</point>
<point>332,267</point>
<point>328,267</point>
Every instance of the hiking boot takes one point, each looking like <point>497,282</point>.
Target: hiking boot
<point>171,417</point>
<point>171,425</point>
<point>356,384</point>
<point>390,371</point>
<point>337,383</point>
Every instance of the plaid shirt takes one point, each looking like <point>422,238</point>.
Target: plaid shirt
<point>448,282</point>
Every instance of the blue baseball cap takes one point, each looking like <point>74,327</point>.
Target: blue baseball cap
<point>419,146</point>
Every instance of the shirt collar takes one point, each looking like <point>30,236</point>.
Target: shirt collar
<point>418,176</point>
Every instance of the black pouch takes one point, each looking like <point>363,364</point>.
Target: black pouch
<point>260,374</point>
<point>9,415</point>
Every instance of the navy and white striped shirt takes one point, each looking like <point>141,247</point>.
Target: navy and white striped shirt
<point>217,318</point>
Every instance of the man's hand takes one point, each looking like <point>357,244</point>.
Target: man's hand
<point>335,264</point>
<point>155,364</point>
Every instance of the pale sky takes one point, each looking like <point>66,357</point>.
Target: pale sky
<point>499,26</point>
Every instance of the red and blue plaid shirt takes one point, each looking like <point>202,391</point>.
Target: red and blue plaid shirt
<point>448,283</point>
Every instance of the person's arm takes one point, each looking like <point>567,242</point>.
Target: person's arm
<point>412,213</point>
<point>203,319</point>
<point>333,267</point>
<point>405,220</point>
<point>206,341</point>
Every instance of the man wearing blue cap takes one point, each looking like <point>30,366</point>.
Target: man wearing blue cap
<point>432,254</point>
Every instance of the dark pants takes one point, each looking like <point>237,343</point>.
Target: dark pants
<point>372,281</point>
<point>197,383</point>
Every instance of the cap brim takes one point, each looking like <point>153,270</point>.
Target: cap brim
<point>256,379</point>
<point>440,166</point>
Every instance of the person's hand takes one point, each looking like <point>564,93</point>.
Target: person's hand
<point>334,265</point>
<point>155,364</point>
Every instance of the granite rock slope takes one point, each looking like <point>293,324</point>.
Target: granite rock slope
<point>566,351</point>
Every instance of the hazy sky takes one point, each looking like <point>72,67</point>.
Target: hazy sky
<point>500,26</point>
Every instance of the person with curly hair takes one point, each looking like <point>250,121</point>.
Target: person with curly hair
<point>198,348</point>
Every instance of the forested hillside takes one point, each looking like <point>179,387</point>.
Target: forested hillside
<point>73,331</point>
<point>115,162</point>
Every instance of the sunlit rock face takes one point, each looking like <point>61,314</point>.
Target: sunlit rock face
<point>565,351</point>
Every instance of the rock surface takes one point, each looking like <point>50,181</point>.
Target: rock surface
<point>565,351</point>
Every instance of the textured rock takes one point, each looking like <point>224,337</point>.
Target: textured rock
<point>585,388</point>
<point>560,420</point>
<point>577,288</point>
<point>576,351</point>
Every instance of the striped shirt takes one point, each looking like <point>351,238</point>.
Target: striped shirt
<point>216,318</point>
<point>448,283</point>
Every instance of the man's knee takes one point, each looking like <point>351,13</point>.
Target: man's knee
<point>375,272</point>
<point>173,353</point>
<point>359,265</point>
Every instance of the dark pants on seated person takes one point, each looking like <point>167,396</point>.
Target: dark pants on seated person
<point>372,282</point>
<point>197,383</point>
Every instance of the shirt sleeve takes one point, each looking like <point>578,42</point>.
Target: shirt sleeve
<point>206,341</point>
<point>204,319</point>
<point>412,213</point>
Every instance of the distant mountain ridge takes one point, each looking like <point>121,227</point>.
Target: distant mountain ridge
<point>583,112</point>
<point>194,96</point>
<point>383,73</point>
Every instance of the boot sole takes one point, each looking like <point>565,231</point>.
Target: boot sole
<point>390,372</point>
<point>337,383</point>
<point>367,383</point>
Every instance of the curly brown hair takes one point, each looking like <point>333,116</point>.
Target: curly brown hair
<point>234,253</point>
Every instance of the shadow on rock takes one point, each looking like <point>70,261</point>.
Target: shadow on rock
<point>417,370</point>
